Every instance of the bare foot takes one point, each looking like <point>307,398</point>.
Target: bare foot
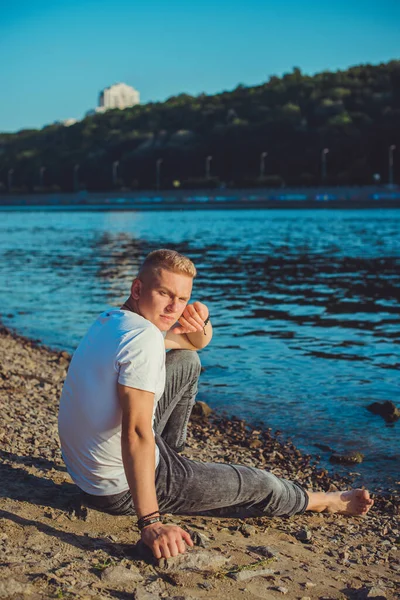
<point>354,502</point>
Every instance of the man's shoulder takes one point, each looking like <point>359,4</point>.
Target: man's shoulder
<point>136,328</point>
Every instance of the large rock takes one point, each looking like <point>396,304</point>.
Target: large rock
<point>201,409</point>
<point>10,587</point>
<point>196,560</point>
<point>350,458</point>
<point>387,410</point>
<point>120,576</point>
<point>142,594</point>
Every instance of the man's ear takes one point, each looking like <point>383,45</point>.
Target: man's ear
<point>136,289</point>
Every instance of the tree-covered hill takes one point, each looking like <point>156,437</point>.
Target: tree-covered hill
<point>355,114</point>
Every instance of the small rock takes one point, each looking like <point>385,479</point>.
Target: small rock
<point>120,576</point>
<point>350,458</point>
<point>245,575</point>
<point>387,410</point>
<point>376,593</point>
<point>201,409</point>
<point>266,551</point>
<point>255,443</point>
<point>206,585</point>
<point>282,590</point>
<point>199,539</point>
<point>141,594</point>
<point>247,530</point>
<point>309,584</point>
<point>304,535</point>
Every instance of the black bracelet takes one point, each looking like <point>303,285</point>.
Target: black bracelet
<point>206,323</point>
<point>156,512</point>
<point>143,520</point>
<point>142,525</point>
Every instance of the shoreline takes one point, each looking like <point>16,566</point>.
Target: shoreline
<point>318,197</point>
<point>244,430</point>
<point>250,436</point>
<point>51,548</point>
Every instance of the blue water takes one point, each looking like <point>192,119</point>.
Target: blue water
<point>305,308</point>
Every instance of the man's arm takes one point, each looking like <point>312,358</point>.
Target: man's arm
<point>138,455</point>
<point>191,333</point>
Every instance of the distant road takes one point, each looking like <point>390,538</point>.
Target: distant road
<point>346,197</point>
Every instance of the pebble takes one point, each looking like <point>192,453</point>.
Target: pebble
<point>199,539</point>
<point>266,551</point>
<point>376,593</point>
<point>207,585</point>
<point>247,530</point>
<point>247,574</point>
<point>304,535</point>
<point>282,590</point>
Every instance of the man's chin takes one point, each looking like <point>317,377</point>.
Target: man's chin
<point>165,324</point>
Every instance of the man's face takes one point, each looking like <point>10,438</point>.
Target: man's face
<point>162,297</point>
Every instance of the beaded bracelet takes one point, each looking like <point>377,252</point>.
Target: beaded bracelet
<point>206,323</point>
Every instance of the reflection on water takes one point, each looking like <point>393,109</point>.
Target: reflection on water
<point>304,305</point>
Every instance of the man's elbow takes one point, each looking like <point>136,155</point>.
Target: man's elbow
<point>137,437</point>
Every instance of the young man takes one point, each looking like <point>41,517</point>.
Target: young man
<point>124,412</point>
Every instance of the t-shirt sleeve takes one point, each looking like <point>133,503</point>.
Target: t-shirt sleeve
<point>140,359</point>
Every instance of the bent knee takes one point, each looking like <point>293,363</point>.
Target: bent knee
<point>188,359</point>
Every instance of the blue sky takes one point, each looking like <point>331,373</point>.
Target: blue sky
<point>56,56</point>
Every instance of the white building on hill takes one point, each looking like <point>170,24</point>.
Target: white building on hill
<point>118,95</point>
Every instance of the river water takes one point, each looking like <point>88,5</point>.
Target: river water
<point>304,304</point>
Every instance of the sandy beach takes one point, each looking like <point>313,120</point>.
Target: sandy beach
<point>52,547</point>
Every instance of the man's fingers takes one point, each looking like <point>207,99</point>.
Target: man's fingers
<point>173,548</point>
<point>156,551</point>
<point>181,546</point>
<point>194,316</point>
<point>197,326</point>
<point>190,328</point>
<point>165,553</point>
<point>186,537</point>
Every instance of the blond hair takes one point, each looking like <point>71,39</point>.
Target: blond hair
<point>169,260</point>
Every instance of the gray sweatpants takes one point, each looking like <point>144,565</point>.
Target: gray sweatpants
<point>185,486</point>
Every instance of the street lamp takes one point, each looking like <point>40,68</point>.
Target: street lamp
<point>41,174</point>
<point>115,172</point>
<point>158,170</point>
<point>323,163</point>
<point>392,148</point>
<point>208,167</point>
<point>76,181</point>
<point>9,178</point>
<point>263,156</point>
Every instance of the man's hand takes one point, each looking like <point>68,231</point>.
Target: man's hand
<point>166,540</point>
<point>192,319</point>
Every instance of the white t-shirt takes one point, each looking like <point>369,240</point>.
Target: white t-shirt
<point>123,347</point>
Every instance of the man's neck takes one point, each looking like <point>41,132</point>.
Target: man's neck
<point>131,305</point>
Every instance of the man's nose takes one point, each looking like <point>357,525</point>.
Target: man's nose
<point>173,305</point>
